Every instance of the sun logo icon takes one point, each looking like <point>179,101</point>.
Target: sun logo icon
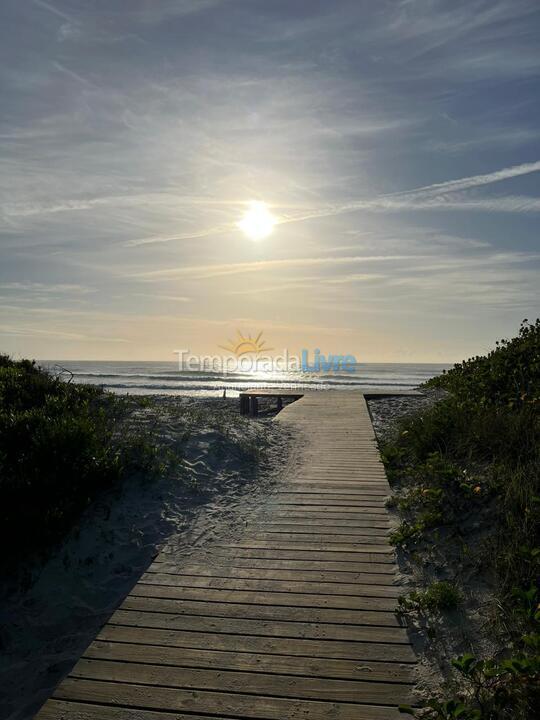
<point>244,345</point>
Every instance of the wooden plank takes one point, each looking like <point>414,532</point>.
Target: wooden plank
<point>328,547</point>
<point>323,538</point>
<point>289,522</point>
<point>284,664</point>
<point>339,487</point>
<point>66,710</point>
<point>314,502</point>
<point>289,599</point>
<point>360,651</point>
<point>328,497</point>
<point>262,628</point>
<point>216,703</point>
<point>257,585</point>
<point>343,566</point>
<point>311,553</point>
<point>233,681</point>
<point>358,518</point>
<point>262,612</point>
<point>310,574</point>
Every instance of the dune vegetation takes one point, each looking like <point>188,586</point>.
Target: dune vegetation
<point>466,472</point>
<point>61,444</point>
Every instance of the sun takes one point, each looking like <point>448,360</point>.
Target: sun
<point>258,222</point>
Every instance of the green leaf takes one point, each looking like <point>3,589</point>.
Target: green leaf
<point>406,710</point>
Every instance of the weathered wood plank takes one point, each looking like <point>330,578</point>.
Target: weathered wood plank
<point>385,652</point>
<point>233,681</point>
<point>258,585</point>
<point>66,710</point>
<point>262,612</point>
<point>284,664</point>
<point>263,628</point>
<point>321,546</point>
<point>216,703</point>
<point>233,571</point>
<point>267,598</point>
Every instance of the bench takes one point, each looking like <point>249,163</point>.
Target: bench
<point>249,400</point>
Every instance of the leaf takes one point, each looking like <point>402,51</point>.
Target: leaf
<point>465,663</point>
<point>406,710</point>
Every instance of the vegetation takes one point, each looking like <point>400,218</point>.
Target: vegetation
<point>439,596</point>
<point>60,445</point>
<point>476,454</point>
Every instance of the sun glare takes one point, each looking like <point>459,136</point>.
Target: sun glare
<point>258,222</point>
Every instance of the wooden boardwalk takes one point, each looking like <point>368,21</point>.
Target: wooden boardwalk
<point>294,617</point>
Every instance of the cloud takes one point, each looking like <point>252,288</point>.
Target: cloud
<point>211,271</point>
<point>69,31</point>
<point>475,180</point>
<point>209,232</point>
<point>54,10</point>
<point>27,331</point>
<point>44,287</point>
<point>174,298</point>
<point>440,196</point>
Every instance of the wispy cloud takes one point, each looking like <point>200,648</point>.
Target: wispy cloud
<point>475,180</point>
<point>154,296</point>
<point>73,75</point>
<point>29,331</point>
<point>157,239</point>
<point>49,7</point>
<point>211,271</point>
<point>440,196</point>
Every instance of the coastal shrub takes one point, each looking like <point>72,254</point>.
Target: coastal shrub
<point>60,446</point>
<point>475,455</point>
<point>507,376</point>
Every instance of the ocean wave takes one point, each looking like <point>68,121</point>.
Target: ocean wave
<point>303,378</point>
<point>165,378</point>
<point>239,387</point>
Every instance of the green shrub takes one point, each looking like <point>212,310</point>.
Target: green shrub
<point>476,454</point>
<point>59,447</point>
<point>507,376</point>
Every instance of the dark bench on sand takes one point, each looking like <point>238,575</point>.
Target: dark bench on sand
<point>249,400</point>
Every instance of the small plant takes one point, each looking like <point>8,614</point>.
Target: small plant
<point>410,533</point>
<point>406,533</point>
<point>491,690</point>
<point>439,596</point>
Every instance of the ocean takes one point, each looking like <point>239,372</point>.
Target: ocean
<point>164,378</point>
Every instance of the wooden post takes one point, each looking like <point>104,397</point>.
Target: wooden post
<point>244,404</point>
<point>254,406</point>
<point>279,403</point>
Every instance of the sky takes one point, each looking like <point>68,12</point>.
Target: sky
<point>396,143</point>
